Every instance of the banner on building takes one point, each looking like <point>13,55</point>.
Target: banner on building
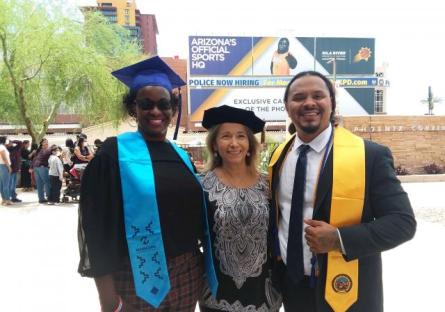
<point>252,72</point>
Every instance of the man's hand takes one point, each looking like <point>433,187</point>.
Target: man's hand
<point>321,236</point>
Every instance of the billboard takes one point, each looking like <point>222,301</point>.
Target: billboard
<point>252,72</point>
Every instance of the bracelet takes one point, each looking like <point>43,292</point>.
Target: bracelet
<point>119,306</point>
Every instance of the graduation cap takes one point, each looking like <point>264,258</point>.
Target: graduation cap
<point>218,115</point>
<point>151,72</point>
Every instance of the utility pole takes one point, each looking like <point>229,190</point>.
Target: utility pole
<point>333,60</point>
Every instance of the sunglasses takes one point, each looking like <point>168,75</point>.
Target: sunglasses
<point>147,104</point>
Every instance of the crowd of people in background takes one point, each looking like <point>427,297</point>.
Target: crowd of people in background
<point>42,167</point>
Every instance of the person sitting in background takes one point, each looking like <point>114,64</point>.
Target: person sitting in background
<point>68,154</point>
<point>55,174</point>
<point>82,154</point>
<point>85,138</point>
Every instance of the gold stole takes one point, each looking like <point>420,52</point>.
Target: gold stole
<point>274,158</point>
<point>348,193</point>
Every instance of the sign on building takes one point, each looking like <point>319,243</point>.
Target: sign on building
<point>252,72</point>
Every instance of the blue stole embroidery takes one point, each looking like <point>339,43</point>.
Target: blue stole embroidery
<point>142,226</point>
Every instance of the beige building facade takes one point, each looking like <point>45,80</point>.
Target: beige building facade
<point>415,141</point>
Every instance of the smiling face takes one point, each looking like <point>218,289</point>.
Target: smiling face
<point>153,122</point>
<point>309,106</point>
<point>232,143</point>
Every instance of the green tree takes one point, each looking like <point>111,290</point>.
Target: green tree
<point>431,100</point>
<point>51,61</point>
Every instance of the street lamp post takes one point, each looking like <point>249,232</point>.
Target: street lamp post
<point>333,60</point>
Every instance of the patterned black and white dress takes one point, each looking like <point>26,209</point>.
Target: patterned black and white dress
<point>239,218</point>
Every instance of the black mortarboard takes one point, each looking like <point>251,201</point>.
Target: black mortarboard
<point>151,72</point>
<point>217,115</point>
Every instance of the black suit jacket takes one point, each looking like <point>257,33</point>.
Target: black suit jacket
<point>387,221</point>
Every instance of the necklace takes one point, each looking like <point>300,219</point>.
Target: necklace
<point>240,180</point>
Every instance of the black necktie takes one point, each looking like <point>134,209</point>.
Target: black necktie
<point>295,265</point>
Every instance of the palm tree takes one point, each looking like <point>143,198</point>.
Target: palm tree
<point>431,100</point>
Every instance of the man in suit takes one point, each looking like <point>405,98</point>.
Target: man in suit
<point>338,205</point>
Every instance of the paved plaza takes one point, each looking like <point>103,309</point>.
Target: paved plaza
<point>38,262</point>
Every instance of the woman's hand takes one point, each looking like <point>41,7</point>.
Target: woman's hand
<point>118,306</point>
<point>128,307</point>
<point>109,298</point>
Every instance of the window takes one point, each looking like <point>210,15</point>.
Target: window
<point>127,11</point>
<point>111,18</point>
<point>378,102</point>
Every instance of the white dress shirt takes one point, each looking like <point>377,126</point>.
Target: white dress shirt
<point>315,157</point>
<point>5,150</point>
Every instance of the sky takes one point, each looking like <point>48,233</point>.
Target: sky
<point>410,35</point>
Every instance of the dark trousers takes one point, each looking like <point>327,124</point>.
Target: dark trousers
<point>297,297</point>
<point>25,176</point>
<point>55,186</point>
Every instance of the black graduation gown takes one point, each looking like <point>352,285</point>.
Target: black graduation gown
<point>101,230</point>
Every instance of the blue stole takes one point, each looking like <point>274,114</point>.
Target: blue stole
<point>142,223</point>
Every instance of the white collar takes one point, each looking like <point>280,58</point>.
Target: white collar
<point>318,143</point>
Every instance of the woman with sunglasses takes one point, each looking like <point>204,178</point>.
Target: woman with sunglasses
<point>142,207</point>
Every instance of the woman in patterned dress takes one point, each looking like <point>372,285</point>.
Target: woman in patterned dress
<point>238,210</point>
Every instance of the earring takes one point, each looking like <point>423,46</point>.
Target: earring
<point>215,154</point>
<point>248,154</point>
<point>133,121</point>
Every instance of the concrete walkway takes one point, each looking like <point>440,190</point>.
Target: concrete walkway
<point>39,258</point>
